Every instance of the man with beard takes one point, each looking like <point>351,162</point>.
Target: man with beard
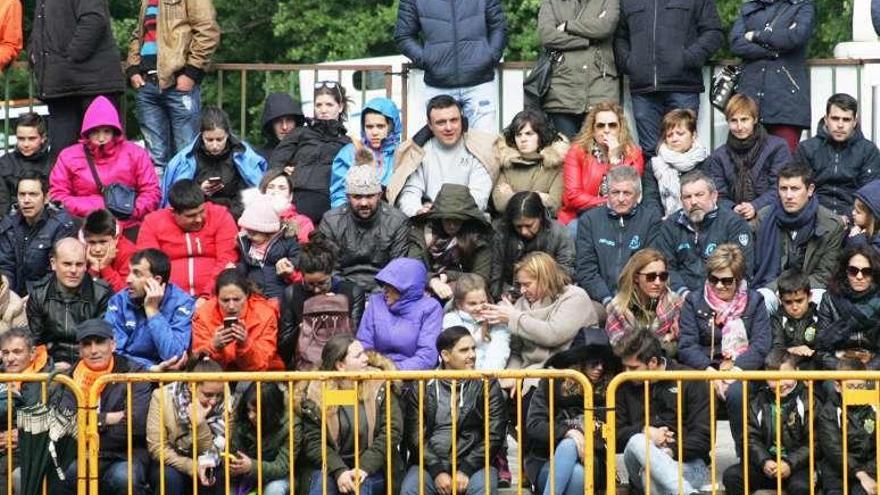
<point>368,232</point>
<point>688,236</point>
<point>152,318</point>
<point>31,153</point>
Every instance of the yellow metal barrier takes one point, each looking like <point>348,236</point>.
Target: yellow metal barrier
<point>849,398</point>
<point>416,379</point>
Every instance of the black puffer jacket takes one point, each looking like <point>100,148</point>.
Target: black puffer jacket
<point>463,39</point>
<point>25,250</point>
<point>72,50</point>
<point>277,105</point>
<point>311,151</point>
<point>839,168</point>
<point>53,315</point>
<point>553,239</point>
<point>663,44</point>
<point>14,165</point>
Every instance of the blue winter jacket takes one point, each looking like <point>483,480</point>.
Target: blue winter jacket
<point>458,43</point>
<point>250,165</point>
<point>151,341</point>
<point>384,156</point>
<point>406,332</point>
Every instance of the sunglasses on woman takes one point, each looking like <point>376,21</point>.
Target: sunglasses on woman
<point>725,281</point>
<point>651,277</point>
<point>854,271</point>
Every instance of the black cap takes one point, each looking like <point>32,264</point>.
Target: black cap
<point>94,328</point>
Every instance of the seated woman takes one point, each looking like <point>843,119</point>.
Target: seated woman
<point>526,227</point>
<point>274,425</point>
<point>452,238</point>
<point>221,163</point>
<point>598,363</point>
<point>173,445</point>
<point>604,142</point>
<point>266,252</point>
<point>679,152</point>
<point>745,168</point>
<point>645,302</point>
<point>278,187</point>
<point>724,326</point>
<point>103,150</point>
<point>317,260</point>
<point>237,326</point>
<point>344,353</point>
<point>850,310</point>
<point>530,155</point>
<point>866,217</point>
<point>546,318</point>
<point>403,322</point>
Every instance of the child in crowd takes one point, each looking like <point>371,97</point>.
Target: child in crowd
<point>470,297</point>
<point>267,252</point>
<point>794,323</point>
<point>794,416</point>
<point>866,211</point>
<point>861,445</point>
<point>107,250</point>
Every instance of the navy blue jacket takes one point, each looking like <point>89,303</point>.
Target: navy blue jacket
<point>773,156</point>
<point>695,332</point>
<point>25,250</point>
<point>686,249</point>
<point>463,39</point>
<point>605,242</point>
<point>839,168</point>
<point>663,44</point>
<point>263,273</point>
<point>775,61</point>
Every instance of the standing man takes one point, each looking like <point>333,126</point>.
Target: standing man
<point>458,44</point>
<point>75,58</point>
<point>168,52</point>
<point>662,46</point>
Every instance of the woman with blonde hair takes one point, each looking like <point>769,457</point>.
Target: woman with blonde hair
<point>644,301</point>
<point>603,143</point>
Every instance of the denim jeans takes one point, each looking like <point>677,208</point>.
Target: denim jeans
<point>648,111</point>
<point>169,119</point>
<point>373,485</point>
<point>113,476</point>
<point>664,469</point>
<point>568,476</point>
<point>476,484</point>
<point>477,104</point>
<point>180,483</point>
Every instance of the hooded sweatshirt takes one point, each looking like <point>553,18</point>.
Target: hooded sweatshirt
<point>277,105</point>
<point>869,194</point>
<point>118,161</point>
<point>384,156</point>
<point>407,330</point>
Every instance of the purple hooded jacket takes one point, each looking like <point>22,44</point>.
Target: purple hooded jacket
<point>406,332</point>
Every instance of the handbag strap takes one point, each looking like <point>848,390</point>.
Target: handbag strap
<point>92,167</point>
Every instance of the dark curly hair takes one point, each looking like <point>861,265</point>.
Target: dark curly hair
<point>840,282</point>
<point>539,123</point>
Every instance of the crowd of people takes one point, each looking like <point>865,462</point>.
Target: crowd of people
<point>572,240</point>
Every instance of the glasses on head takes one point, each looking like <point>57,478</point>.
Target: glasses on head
<point>854,271</point>
<point>653,276</point>
<point>725,281</point>
<point>610,125</point>
<point>326,84</point>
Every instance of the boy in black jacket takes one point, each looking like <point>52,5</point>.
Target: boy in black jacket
<point>861,443</point>
<point>794,322</point>
<point>793,461</point>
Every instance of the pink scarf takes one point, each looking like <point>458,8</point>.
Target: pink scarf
<point>728,316</point>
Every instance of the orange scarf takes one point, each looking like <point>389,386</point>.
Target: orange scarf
<point>85,377</point>
<point>41,357</point>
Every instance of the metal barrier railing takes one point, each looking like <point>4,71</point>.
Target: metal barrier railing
<point>346,397</point>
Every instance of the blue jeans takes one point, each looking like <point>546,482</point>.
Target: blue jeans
<point>113,475</point>
<point>476,484</point>
<point>664,469</point>
<point>648,111</point>
<point>477,103</point>
<point>373,485</point>
<point>180,483</point>
<point>569,472</point>
<point>169,119</point>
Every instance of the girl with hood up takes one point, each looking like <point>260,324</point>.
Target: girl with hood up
<point>381,129</point>
<point>866,217</point>
<point>281,115</point>
<point>117,161</point>
<point>403,322</point>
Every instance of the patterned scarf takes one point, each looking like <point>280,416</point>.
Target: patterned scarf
<point>182,397</point>
<point>660,318</point>
<point>728,316</point>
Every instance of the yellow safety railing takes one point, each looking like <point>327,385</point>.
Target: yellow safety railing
<point>648,378</point>
<point>331,397</point>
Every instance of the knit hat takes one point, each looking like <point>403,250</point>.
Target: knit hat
<point>260,216</point>
<point>363,180</point>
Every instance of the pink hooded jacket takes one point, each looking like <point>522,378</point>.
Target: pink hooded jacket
<point>118,161</point>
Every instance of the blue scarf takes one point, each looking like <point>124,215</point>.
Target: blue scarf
<point>768,242</point>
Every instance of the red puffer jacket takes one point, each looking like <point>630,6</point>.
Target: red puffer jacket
<point>582,176</point>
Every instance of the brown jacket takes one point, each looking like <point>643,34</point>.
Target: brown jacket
<point>187,34</point>
<point>542,173</point>
<point>408,158</point>
<point>12,312</point>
